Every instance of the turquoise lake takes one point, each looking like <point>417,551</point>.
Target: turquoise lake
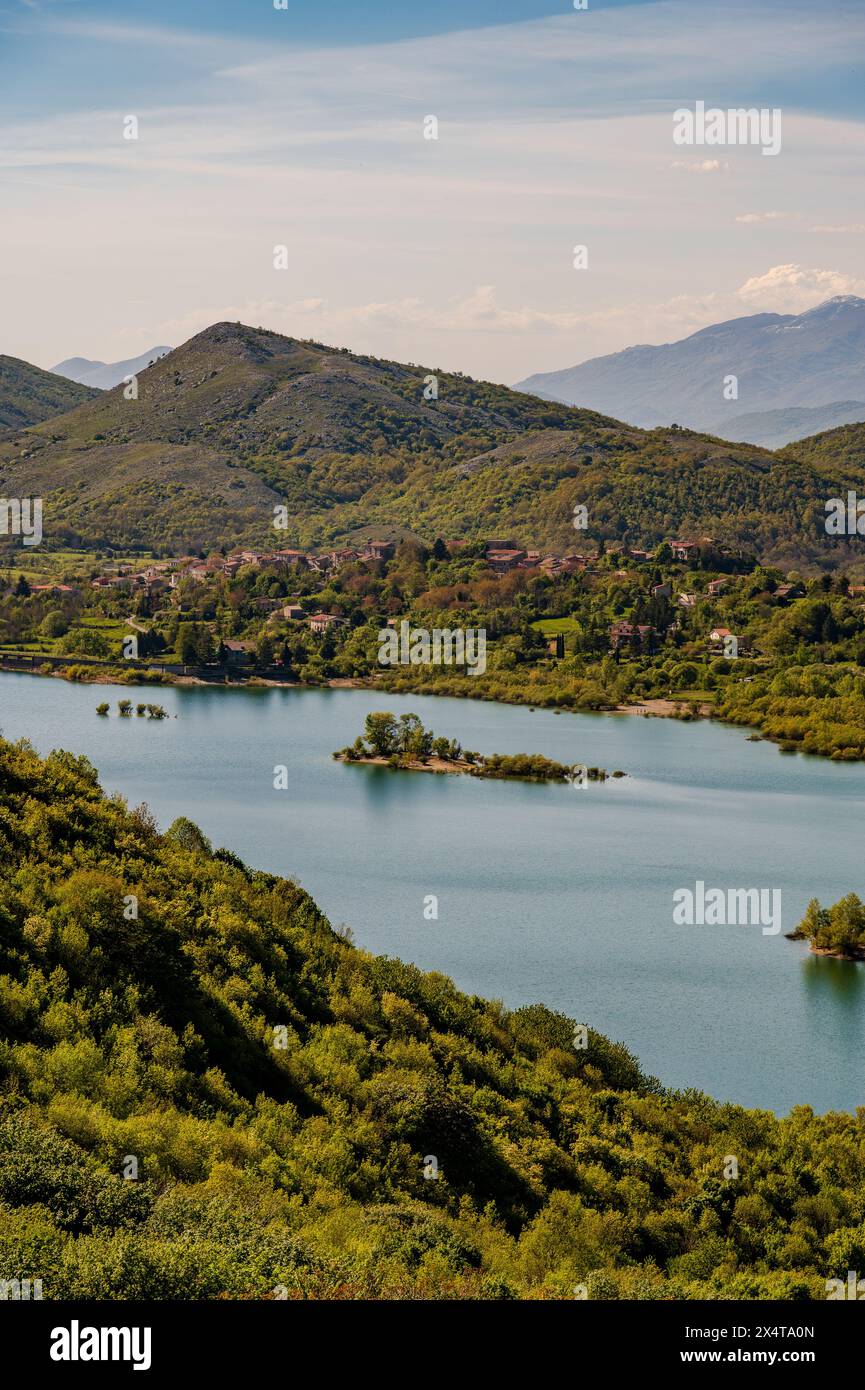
<point>546,892</point>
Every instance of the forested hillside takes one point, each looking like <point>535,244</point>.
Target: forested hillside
<point>29,395</point>
<point>842,447</point>
<point>282,1094</point>
<point>239,421</point>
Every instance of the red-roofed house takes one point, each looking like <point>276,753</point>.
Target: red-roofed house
<point>502,561</point>
<point>321,622</point>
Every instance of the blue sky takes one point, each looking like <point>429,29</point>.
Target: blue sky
<point>304,128</point>
<point>52,53</point>
<point>337,21</point>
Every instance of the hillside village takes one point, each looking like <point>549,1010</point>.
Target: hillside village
<point>170,581</point>
<point>675,618</point>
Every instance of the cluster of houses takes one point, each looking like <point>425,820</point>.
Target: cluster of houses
<point>502,556</point>
<point>643,635</point>
<point>240,653</point>
<point>154,579</point>
<point>325,563</point>
<point>168,574</point>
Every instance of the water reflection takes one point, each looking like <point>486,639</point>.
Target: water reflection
<point>829,980</point>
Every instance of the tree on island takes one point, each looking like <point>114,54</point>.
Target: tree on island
<point>413,740</point>
<point>839,929</point>
<point>380,731</point>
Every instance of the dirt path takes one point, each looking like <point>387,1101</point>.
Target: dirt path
<point>661,709</point>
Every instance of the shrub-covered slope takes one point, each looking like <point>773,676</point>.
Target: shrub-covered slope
<point>298,1170</point>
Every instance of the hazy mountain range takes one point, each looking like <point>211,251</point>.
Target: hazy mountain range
<point>104,375</point>
<point>797,374</point>
<point>239,420</point>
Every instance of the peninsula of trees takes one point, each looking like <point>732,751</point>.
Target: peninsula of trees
<point>838,930</point>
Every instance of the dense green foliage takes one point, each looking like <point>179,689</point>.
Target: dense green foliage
<point>838,930</point>
<point>842,446</point>
<point>810,709</point>
<point>283,1093</point>
<point>536,768</point>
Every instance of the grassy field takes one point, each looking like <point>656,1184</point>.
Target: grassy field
<point>40,564</point>
<point>551,627</point>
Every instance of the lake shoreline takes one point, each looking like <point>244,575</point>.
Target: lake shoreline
<point>540,891</point>
<point>662,709</point>
<point>829,953</point>
<point>433,764</point>
<point>650,708</point>
<point>463,767</point>
<point>682,711</point>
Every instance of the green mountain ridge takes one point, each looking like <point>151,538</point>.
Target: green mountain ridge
<point>239,420</point>
<point>29,395</point>
<point>842,448</point>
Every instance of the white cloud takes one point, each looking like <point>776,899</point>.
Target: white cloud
<point>769,217</point>
<point>701,166</point>
<point>478,312</point>
<point>790,289</point>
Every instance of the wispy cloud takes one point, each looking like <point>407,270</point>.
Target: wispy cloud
<point>551,133</point>
<point>701,166</point>
<point>769,217</point>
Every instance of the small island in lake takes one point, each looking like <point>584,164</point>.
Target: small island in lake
<point>405,743</point>
<point>837,931</point>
